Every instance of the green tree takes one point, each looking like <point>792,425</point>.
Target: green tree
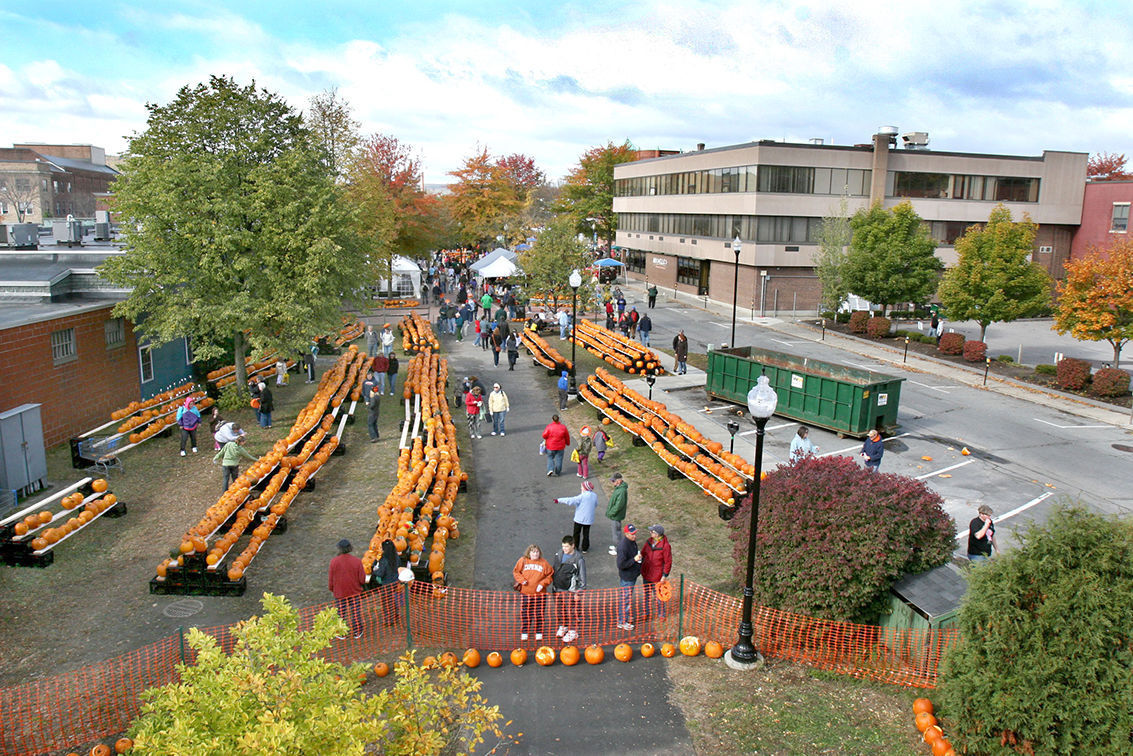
<point>833,237</point>
<point>891,256</point>
<point>330,118</point>
<point>1044,661</point>
<point>276,694</point>
<point>994,281</point>
<point>1095,302</point>
<point>587,196</point>
<point>548,264</point>
<point>232,225</point>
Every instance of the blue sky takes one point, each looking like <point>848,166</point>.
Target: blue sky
<point>552,79</point>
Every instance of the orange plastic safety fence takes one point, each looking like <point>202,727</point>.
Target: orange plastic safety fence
<point>101,700</point>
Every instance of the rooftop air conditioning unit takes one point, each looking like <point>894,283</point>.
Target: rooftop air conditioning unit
<point>915,140</point>
<point>20,235</point>
<point>67,231</point>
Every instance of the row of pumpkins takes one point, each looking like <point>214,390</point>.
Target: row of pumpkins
<point>349,331</point>
<point>925,721</point>
<point>542,352</point>
<point>399,303</point>
<point>417,334</point>
<point>619,351</point>
<point>316,419</point>
<point>70,502</point>
<point>122,745</point>
<point>153,401</point>
<point>227,374</point>
<point>428,476</point>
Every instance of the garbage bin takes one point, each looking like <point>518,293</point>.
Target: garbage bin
<point>846,400</point>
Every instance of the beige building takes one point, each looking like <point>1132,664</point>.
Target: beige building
<point>678,215</point>
<point>43,181</point>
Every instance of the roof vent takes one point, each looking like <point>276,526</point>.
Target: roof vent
<point>817,140</point>
<point>887,130</point>
<point>915,140</point>
<point>699,146</point>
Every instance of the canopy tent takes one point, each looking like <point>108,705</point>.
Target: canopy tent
<point>496,254</point>
<point>499,268</point>
<point>607,262</point>
<point>406,278</point>
<point>521,247</point>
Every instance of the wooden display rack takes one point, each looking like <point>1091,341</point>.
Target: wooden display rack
<point>17,550</point>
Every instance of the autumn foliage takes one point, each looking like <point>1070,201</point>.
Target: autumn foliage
<point>833,537</point>
<point>975,351</point>
<point>1072,374</point>
<point>951,343</point>
<point>1107,166</point>
<point>1095,302</point>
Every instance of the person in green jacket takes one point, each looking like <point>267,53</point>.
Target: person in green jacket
<point>616,508</point>
<point>229,458</point>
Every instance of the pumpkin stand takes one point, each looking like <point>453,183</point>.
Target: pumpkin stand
<point>29,537</point>
<point>221,377</point>
<point>720,474</point>
<point>543,353</point>
<point>254,501</point>
<point>349,332</point>
<point>417,334</point>
<point>624,354</point>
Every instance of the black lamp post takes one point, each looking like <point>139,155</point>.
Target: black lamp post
<point>575,281</point>
<point>651,379</point>
<point>761,401</point>
<point>733,428</point>
<point>735,287</point>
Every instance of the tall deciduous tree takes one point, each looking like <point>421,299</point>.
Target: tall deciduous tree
<point>833,237</point>
<point>1107,166</point>
<point>485,198</point>
<point>232,225</point>
<point>589,189</point>
<point>549,263</point>
<point>1095,302</point>
<point>22,193</point>
<point>891,256</point>
<point>330,118</point>
<point>994,280</point>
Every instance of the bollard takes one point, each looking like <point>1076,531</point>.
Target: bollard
<point>987,367</point>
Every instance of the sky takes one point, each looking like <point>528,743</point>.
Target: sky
<point>553,79</point>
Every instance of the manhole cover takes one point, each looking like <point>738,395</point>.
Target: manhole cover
<point>1123,447</point>
<point>183,608</point>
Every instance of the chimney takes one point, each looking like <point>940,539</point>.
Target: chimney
<point>699,146</point>
<point>885,136</point>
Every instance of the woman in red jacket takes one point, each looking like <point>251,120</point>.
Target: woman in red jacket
<point>557,438</point>
<point>473,403</point>
<point>532,574</point>
<point>656,564</point>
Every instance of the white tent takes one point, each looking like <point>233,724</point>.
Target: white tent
<point>499,268</point>
<point>496,254</point>
<point>406,278</point>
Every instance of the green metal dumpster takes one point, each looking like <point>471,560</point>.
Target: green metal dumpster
<point>843,399</point>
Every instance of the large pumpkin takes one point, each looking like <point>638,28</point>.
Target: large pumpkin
<point>122,745</point>
<point>933,733</point>
<point>664,590</point>
<point>922,705</point>
<point>595,654</point>
<point>519,657</point>
<point>648,649</point>
<point>924,720</point>
<point>544,656</point>
<point>623,652</point>
<point>569,655</point>
<point>495,659</point>
<point>381,669</point>
<point>99,485</point>
<point>713,650</point>
<point>100,750</point>
<point>471,658</point>
<point>668,650</point>
<point>448,659</point>
<point>690,645</point>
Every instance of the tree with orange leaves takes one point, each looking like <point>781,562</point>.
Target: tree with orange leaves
<point>1107,166</point>
<point>490,194</point>
<point>1095,302</point>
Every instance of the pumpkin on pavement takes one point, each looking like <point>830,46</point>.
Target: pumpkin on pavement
<point>594,654</point>
<point>544,656</point>
<point>569,655</point>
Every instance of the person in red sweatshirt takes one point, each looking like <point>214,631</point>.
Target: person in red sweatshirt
<point>533,574</point>
<point>345,580</point>
<point>557,438</point>
<point>656,564</point>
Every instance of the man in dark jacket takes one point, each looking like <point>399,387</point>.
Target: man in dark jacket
<point>872,450</point>
<point>373,404</point>
<point>267,404</point>
<point>629,568</point>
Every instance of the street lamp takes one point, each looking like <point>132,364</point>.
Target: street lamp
<point>761,401</point>
<point>651,379</point>
<point>733,428</point>
<point>575,281</point>
<point>735,286</point>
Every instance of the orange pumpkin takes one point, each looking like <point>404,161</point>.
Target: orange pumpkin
<point>623,652</point>
<point>664,591</point>
<point>690,645</point>
<point>471,658</point>
<point>100,750</point>
<point>648,649</point>
<point>519,657</point>
<point>448,659</point>
<point>122,745</point>
<point>569,655</point>
<point>941,747</point>
<point>495,659</point>
<point>924,720</point>
<point>922,705</point>
<point>99,485</point>
<point>545,656</point>
<point>381,669</point>
<point>594,654</point>
<point>668,650</point>
<point>713,650</point>
<point>933,733</point>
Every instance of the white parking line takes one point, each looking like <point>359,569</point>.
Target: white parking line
<point>941,389</point>
<point>1064,427</point>
<point>722,325</point>
<point>853,448</point>
<point>946,469</point>
<point>964,533</point>
<point>863,367</point>
<point>787,343</point>
<point>713,407</point>
<point>906,409</point>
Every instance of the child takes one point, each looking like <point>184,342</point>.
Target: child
<point>568,580</point>
<point>585,444</point>
<point>600,443</point>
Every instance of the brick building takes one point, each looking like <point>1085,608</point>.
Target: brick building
<point>52,181</point>
<point>1105,216</point>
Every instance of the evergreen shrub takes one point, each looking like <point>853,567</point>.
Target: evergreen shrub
<point>1004,358</point>
<point>975,351</point>
<point>951,343</point>
<point>1110,382</point>
<point>1073,374</point>
<point>1043,369</point>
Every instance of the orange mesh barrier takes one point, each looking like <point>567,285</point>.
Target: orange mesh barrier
<point>101,700</point>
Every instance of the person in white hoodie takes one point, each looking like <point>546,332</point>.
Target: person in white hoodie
<point>584,505</point>
<point>498,407</point>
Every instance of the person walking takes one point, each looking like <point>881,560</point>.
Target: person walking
<point>386,339</point>
<point>801,445</point>
<point>512,346</point>
<point>280,372</point>
<point>652,292</point>
<point>345,579</point>
<point>564,324</point>
<point>584,505</point>
<point>374,405</point>
<point>267,404</point>
<point>601,442</point>
<point>981,536</point>
<point>380,366</point>
<point>616,506</point>
<point>629,568</point>
<point>680,350</point>
<point>486,305</point>
<point>371,340</point>
<point>532,575</point>
<point>872,450</point>
<point>497,344</point>
<point>556,438</point>
<point>563,385</point>
<point>385,577</point>
<point>229,458</point>
<point>391,372</point>
<point>621,304</point>
<point>609,314</point>
<point>585,444</point>
<point>644,328</point>
<point>568,581</point>
<point>934,324</point>
<point>498,406</point>
<point>309,363</point>
<point>633,317</point>
<point>473,403</point>
<point>656,564</point>
<point>460,323</point>
<point>188,418</point>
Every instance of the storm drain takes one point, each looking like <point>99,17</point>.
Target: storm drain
<point>183,608</point>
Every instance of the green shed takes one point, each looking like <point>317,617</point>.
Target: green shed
<point>927,601</point>
<point>846,400</point>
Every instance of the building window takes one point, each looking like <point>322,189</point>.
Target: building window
<point>115,330</point>
<point>63,345</point>
<point>923,185</point>
<point>783,229</point>
<point>145,363</point>
<point>1120,222</point>
<point>1011,189</point>
<point>688,271</point>
<point>786,179</point>
<point>635,260</point>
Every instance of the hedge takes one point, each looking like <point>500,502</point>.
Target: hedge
<point>1073,374</point>
<point>858,321</point>
<point>975,351</point>
<point>878,327</point>
<point>1110,382</point>
<point>951,343</point>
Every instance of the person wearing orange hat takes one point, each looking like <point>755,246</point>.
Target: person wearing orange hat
<point>386,337</point>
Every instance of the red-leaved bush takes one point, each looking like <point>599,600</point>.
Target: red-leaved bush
<point>878,327</point>
<point>951,343</point>
<point>975,351</point>
<point>833,537</point>
<point>1110,382</point>
<point>858,320</point>
<point>1072,374</point>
